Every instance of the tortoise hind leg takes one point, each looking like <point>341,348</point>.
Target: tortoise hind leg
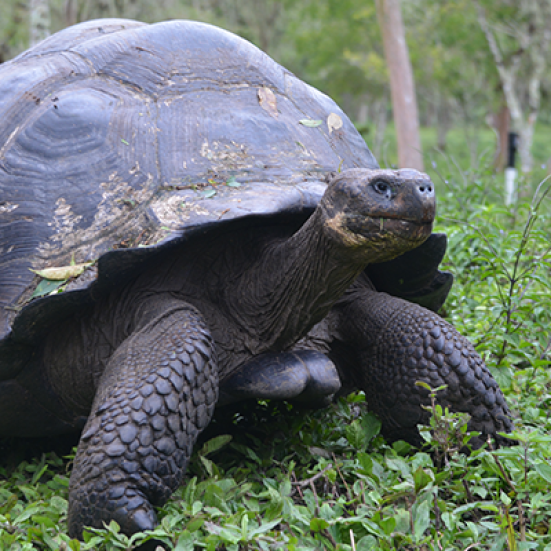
<point>306,377</point>
<point>157,393</point>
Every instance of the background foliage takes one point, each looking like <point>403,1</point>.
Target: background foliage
<point>335,45</point>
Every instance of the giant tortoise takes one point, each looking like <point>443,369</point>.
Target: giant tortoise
<point>222,233</point>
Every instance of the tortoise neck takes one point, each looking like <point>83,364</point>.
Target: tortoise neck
<point>295,282</point>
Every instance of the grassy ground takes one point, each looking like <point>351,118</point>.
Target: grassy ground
<point>278,478</point>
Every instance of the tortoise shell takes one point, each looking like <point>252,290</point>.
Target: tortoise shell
<point>120,139</point>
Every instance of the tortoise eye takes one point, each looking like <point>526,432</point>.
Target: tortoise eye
<point>382,187</point>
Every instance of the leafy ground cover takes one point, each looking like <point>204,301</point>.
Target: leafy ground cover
<point>273,477</point>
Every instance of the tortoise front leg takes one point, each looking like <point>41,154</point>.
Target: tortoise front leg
<point>385,345</point>
<point>158,392</point>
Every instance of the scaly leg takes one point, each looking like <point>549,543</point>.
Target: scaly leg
<point>386,344</point>
<point>158,392</point>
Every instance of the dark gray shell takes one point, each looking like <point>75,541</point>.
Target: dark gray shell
<point>111,131</point>
<point>118,139</point>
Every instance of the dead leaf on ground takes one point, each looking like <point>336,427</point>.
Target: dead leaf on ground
<point>63,272</point>
<point>268,101</point>
<point>334,122</point>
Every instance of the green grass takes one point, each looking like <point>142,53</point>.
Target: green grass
<point>326,480</point>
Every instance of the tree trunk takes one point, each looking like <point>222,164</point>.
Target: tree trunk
<point>534,39</point>
<point>501,123</point>
<point>70,12</point>
<point>380,117</point>
<point>39,21</point>
<point>402,87</point>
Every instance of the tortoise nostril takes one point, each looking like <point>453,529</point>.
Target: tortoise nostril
<point>426,190</point>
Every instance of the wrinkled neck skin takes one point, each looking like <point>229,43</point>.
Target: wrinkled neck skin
<point>296,281</point>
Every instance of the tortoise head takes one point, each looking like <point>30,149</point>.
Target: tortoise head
<point>379,213</point>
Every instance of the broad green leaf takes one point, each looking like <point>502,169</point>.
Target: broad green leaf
<point>185,542</point>
<point>544,470</point>
<point>423,385</point>
<point>401,447</point>
<point>44,520</point>
<point>113,527</point>
<point>41,469</point>
<point>9,504</point>
<point>355,435</point>
<point>232,182</point>
<point>197,506</point>
<point>244,527</point>
<point>215,444</point>
<point>367,543</point>
<point>398,464</point>
<point>209,465</point>
<point>499,542</point>
<point>505,499</point>
<point>421,519</point>
<point>310,122</point>
<point>189,492</point>
<point>318,524</point>
<point>275,506</point>
<point>421,479</point>
<point>388,525</point>
<point>366,462</point>
<point>371,426</point>
<point>59,504</point>
<point>194,524</point>
<point>27,513</point>
<point>45,287</point>
<point>263,528</point>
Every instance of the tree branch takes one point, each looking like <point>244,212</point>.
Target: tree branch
<point>506,76</point>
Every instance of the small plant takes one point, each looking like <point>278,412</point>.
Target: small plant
<point>446,433</point>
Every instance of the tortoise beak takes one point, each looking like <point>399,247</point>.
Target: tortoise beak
<point>417,202</point>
